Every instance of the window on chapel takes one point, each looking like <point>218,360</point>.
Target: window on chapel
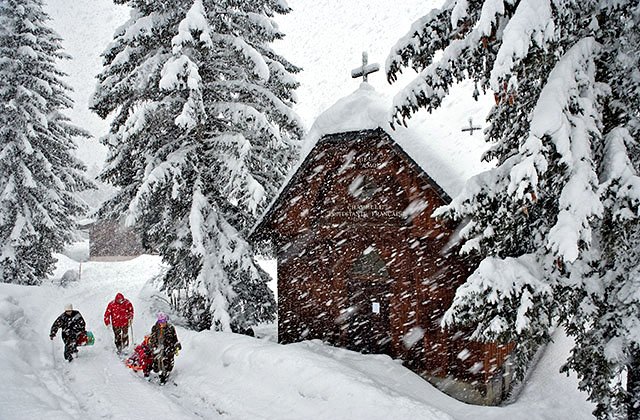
<point>370,264</point>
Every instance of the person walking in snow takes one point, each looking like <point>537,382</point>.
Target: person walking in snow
<point>164,345</point>
<point>72,325</point>
<point>119,314</point>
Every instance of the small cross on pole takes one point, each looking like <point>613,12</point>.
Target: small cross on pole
<point>471,128</point>
<point>365,69</point>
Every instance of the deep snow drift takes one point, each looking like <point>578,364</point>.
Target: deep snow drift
<point>221,375</point>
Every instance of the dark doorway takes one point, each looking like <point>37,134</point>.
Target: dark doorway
<point>368,289</point>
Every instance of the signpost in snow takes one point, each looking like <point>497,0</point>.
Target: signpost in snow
<point>365,69</point>
<point>471,128</point>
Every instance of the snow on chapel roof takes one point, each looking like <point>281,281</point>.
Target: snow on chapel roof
<point>363,109</point>
<point>367,109</point>
<point>434,141</point>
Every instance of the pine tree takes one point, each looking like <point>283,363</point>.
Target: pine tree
<point>548,219</point>
<point>202,137</point>
<point>39,176</point>
<point>606,324</point>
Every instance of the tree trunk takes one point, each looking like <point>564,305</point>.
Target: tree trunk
<point>633,384</point>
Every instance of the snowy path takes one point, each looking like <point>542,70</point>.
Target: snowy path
<point>96,384</point>
<point>219,375</point>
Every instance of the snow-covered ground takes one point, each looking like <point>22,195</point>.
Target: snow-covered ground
<point>221,375</point>
<point>226,375</point>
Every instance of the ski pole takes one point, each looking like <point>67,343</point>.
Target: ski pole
<point>132,339</point>
<point>53,354</point>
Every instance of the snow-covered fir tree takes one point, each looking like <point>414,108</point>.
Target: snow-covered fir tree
<point>606,321</point>
<point>39,175</point>
<point>556,221</point>
<point>202,137</point>
<point>606,324</point>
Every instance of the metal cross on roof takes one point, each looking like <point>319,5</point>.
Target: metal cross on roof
<point>471,128</point>
<point>365,69</point>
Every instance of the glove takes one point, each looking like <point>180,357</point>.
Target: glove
<point>52,336</point>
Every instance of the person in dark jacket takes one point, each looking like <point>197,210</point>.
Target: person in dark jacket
<point>119,314</point>
<point>72,325</point>
<point>164,345</point>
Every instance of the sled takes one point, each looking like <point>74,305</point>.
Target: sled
<point>86,339</point>
<point>134,363</point>
<point>137,363</point>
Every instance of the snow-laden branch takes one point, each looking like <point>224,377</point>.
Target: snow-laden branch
<point>531,22</point>
<point>180,73</point>
<point>199,208</point>
<point>241,114</point>
<point>495,282</point>
<point>275,103</point>
<point>194,21</point>
<point>260,67</point>
<point>491,10</point>
<point>239,184</point>
<point>413,43</point>
<point>620,176</point>
<point>459,12</point>
<point>138,120</point>
<point>552,119</point>
<point>432,85</point>
<point>157,175</point>
<point>140,27</point>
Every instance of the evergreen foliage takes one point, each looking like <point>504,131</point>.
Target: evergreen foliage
<point>556,220</point>
<point>39,175</point>
<point>203,135</point>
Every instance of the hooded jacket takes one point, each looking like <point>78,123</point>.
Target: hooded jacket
<point>119,312</point>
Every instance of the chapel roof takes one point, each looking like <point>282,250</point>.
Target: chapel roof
<point>364,109</point>
<point>437,155</point>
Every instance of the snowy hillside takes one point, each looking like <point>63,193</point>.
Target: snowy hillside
<point>219,375</point>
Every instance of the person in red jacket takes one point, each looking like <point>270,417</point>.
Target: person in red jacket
<point>119,314</point>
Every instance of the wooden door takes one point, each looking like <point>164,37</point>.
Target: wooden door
<point>368,328</point>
